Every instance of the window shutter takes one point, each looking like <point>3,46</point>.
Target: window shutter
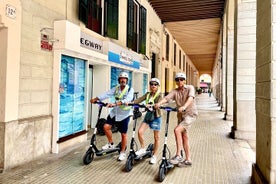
<point>143,30</point>
<point>83,11</point>
<point>111,19</point>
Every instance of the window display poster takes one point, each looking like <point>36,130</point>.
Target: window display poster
<point>145,83</point>
<point>72,96</point>
<point>115,75</point>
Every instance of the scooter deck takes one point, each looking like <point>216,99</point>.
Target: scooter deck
<point>139,157</point>
<point>170,165</point>
<point>107,151</point>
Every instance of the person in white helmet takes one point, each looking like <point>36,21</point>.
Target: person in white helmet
<point>120,114</point>
<point>184,96</point>
<point>152,119</point>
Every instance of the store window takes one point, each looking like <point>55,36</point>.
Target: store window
<point>114,76</point>
<point>72,96</point>
<point>145,83</point>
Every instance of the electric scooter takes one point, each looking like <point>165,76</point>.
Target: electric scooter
<point>89,155</point>
<point>165,164</point>
<point>132,157</point>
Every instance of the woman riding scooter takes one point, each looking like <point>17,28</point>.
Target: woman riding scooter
<point>152,118</point>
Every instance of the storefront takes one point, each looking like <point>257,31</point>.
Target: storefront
<point>84,67</point>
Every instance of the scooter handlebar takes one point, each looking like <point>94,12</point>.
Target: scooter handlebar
<point>100,103</point>
<point>147,107</point>
<point>167,108</point>
<point>137,105</point>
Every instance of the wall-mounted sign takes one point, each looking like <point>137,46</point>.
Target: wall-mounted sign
<point>91,43</point>
<point>120,55</point>
<point>125,57</point>
<point>10,11</point>
<point>44,42</point>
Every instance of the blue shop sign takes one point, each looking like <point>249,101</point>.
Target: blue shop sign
<point>124,59</point>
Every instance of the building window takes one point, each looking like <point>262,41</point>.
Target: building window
<point>167,47</point>
<point>143,30</point>
<point>132,23</point>
<point>111,19</point>
<point>153,64</point>
<point>174,54</point>
<point>179,59</point>
<point>136,27</point>
<point>90,13</point>
<point>184,62</point>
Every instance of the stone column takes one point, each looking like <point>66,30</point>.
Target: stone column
<point>229,59</point>
<point>264,170</point>
<point>223,81</point>
<point>244,71</point>
<point>10,34</point>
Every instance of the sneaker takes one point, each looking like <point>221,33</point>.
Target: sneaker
<point>184,163</point>
<point>153,159</point>
<point>176,159</point>
<point>108,146</point>
<point>140,151</point>
<point>122,156</point>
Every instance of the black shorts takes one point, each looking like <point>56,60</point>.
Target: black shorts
<point>122,125</point>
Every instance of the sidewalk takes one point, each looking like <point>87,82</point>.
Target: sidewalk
<point>216,158</point>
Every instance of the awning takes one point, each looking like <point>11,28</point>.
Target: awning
<point>203,85</point>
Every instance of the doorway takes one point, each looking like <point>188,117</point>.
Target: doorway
<point>89,96</point>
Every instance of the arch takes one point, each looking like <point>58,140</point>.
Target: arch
<point>205,81</point>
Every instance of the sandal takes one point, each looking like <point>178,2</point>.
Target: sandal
<point>184,163</point>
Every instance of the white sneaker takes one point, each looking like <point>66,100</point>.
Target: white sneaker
<point>122,156</point>
<point>153,159</point>
<point>140,151</point>
<point>108,146</point>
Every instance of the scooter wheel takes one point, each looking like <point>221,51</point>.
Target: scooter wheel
<point>150,147</point>
<point>129,163</point>
<point>119,146</point>
<point>88,157</point>
<point>162,173</point>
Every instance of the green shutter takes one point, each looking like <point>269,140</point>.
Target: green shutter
<point>130,23</point>
<point>83,11</point>
<point>143,30</point>
<point>111,24</point>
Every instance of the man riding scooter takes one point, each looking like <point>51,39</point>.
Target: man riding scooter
<point>120,114</point>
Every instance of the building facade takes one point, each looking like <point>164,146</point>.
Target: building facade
<point>56,55</point>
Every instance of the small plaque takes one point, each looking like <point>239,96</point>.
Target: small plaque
<point>10,11</point>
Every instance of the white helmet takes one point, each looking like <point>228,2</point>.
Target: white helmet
<point>123,75</point>
<point>180,75</point>
<point>155,80</point>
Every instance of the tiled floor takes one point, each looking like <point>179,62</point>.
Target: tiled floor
<point>216,158</point>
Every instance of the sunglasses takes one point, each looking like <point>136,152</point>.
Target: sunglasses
<point>153,84</point>
<point>179,79</point>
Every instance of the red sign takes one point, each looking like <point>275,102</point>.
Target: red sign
<point>46,45</point>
